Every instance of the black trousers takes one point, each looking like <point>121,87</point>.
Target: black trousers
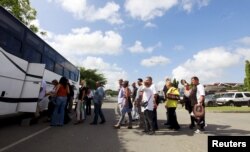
<point>190,110</point>
<point>88,106</point>
<point>148,119</point>
<point>173,119</point>
<point>155,119</point>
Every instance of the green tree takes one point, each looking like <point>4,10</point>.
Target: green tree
<point>111,92</point>
<point>91,76</point>
<point>22,10</point>
<point>247,78</point>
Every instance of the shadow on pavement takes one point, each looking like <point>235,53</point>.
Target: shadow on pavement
<point>76,138</point>
<point>224,130</point>
<point>211,129</point>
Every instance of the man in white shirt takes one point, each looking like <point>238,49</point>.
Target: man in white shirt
<point>200,95</point>
<point>148,99</point>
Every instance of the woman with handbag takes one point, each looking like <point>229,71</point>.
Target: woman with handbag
<point>126,105</point>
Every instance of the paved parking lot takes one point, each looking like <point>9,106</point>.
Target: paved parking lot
<point>103,138</point>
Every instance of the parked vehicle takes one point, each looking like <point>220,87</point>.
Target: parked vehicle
<point>210,100</point>
<point>234,99</point>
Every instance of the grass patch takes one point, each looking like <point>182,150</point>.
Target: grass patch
<point>228,109</point>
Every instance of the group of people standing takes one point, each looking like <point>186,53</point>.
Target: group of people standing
<point>140,104</point>
<point>145,100</point>
<point>84,99</point>
<point>144,104</point>
<point>61,98</point>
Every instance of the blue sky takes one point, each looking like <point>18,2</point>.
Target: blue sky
<point>161,38</point>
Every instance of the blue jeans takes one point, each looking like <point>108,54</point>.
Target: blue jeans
<point>58,113</point>
<point>98,112</point>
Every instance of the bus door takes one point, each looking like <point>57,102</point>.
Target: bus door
<point>31,88</point>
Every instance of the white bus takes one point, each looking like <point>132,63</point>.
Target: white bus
<point>26,60</point>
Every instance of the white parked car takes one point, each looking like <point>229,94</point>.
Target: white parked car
<point>234,99</point>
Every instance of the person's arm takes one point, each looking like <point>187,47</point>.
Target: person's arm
<point>57,88</point>
<point>201,99</point>
<point>127,93</point>
<point>67,87</point>
<point>155,96</point>
<point>201,91</point>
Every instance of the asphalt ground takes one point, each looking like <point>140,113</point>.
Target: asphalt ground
<point>104,138</point>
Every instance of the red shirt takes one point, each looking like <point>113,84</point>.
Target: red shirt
<point>62,92</point>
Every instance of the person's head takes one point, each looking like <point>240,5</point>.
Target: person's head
<point>125,83</point>
<point>55,82</point>
<point>98,84</point>
<point>63,81</point>
<point>148,81</point>
<point>168,84</point>
<point>133,84</point>
<point>139,81</point>
<point>82,83</point>
<point>183,82</point>
<point>120,82</point>
<point>167,79</point>
<point>195,80</point>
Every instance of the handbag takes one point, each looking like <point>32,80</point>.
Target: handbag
<point>145,104</point>
<point>198,111</point>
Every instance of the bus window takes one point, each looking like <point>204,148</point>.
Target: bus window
<point>34,41</point>
<point>58,69</point>
<point>60,60</point>
<point>49,64</point>
<point>66,73</point>
<point>10,44</point>
<point>31,55</point>
<point>11,26</point>
<point>48,51</point>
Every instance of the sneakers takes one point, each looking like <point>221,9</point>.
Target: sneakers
<point>117,126</point>
<point>151,133</point>
<point>191,126</point>
<point>130,127</point>
<point>197,131</point>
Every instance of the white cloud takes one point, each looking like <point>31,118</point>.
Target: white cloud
<point>82,41</point>
<point>150,25</point>
<point>244,52</point>
<point>111,71</point>
<point>81,10</point>
<point>244,40</point>
<point>188,5</point>
<point>138,48</point>
<point>155,60</point>
<point>207,64</point>
<point>148,9</point>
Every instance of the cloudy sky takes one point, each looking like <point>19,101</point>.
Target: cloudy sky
<point>162,38</point>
